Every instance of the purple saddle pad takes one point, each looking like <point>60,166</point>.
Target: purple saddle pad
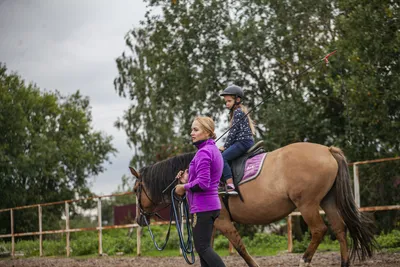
<point>253,167</point>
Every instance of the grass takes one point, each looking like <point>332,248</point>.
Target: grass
<point>85,244</point>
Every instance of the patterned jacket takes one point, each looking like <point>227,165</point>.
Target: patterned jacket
<point>241,129</point>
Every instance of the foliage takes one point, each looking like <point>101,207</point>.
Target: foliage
<point>301,246</point>
<point>48,150</point>
<point>85,243</point>
<point>248,230</point>
<point>117,240</point>
<point>221,242</point>
<point>81,221</point>
<point>369,63</point>
<point>391,240</point>
<point>326,245</point>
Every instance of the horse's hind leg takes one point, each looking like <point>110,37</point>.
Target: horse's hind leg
<point>224,224</point>
<point>328,204</point>
<point>317,227</point>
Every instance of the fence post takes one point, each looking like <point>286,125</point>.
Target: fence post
<point>12,233</point>
<point>138,231</point>
<point>231,252</point>
<point>67,228</point>
<point>100,226</point>
<point>289,233</point>
<point>356,185</point>
<point>40,232</point>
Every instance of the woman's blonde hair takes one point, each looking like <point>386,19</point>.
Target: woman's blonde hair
<point>207,125</point>
<point>245,110</point>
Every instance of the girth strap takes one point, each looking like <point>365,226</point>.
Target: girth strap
<point>225,200</point>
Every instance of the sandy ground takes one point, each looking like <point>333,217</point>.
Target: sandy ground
<point>320,259</point>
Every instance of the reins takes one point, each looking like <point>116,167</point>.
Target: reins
<point>186,246</point>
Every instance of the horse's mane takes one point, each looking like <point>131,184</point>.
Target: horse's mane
<point>158,176</point>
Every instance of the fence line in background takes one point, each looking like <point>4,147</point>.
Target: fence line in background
<point>100,227</point>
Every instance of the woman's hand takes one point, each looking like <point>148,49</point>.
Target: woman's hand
<point>183,176</point>
<point>180,190</point>
<point>221,148</point>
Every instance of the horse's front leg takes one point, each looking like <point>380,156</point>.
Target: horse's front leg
<point>224,224</point>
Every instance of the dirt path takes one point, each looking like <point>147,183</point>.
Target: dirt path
<point>320,259</point>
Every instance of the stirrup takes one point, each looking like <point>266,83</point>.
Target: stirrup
<point>227,190</point>
<point>231,191</point>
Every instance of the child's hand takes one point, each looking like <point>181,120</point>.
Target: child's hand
<point>221,148</point>
<point>183,176</point>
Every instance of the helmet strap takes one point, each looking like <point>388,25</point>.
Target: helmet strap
<point>235,104</point>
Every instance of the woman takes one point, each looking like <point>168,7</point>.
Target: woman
<point>201,187</point>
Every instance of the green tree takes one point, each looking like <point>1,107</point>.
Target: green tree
<point>48,149</point>
<point>369,41</point>
<point>181,60</point>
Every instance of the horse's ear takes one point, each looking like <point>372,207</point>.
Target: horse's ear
<point>134,172</point>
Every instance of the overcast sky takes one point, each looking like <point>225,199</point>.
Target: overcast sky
<point>71,45</point>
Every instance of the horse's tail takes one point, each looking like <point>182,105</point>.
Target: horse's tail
<point>360,227</point>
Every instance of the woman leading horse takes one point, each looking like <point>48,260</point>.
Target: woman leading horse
<point>302,176</point>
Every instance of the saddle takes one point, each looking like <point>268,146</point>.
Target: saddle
<point>238,165</point>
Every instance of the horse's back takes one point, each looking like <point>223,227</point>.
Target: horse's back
<point>296,172</point>
<point>303,167</point>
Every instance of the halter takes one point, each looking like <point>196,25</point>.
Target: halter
<point>140,189</point>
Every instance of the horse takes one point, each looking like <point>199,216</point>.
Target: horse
<point>302,176</point>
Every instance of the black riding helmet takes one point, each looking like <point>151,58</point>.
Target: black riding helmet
<point>233,90</point>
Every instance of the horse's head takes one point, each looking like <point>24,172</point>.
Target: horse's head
<point>145,204</point>
<point>153,185</point>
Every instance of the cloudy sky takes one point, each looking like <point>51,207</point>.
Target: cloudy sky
<point>71,45</point>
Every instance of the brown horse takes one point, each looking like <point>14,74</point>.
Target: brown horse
<point>302,176</point>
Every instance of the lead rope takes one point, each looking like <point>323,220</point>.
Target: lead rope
<point>186,247</point>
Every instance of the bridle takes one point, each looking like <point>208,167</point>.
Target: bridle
<point>139,188</point>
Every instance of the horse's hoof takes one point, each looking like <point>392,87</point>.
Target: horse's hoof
<point>304,264</point>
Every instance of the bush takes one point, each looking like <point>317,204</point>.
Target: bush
<point>117,240</point>
<point>301,246</point>
<point>30,248</point>
<point>270,241</point>
<point>84,243</point>
<point>390,240</point>
<point>221,242</point>
<point>54,247</point>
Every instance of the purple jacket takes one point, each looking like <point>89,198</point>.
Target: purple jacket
<point>205,171</point>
